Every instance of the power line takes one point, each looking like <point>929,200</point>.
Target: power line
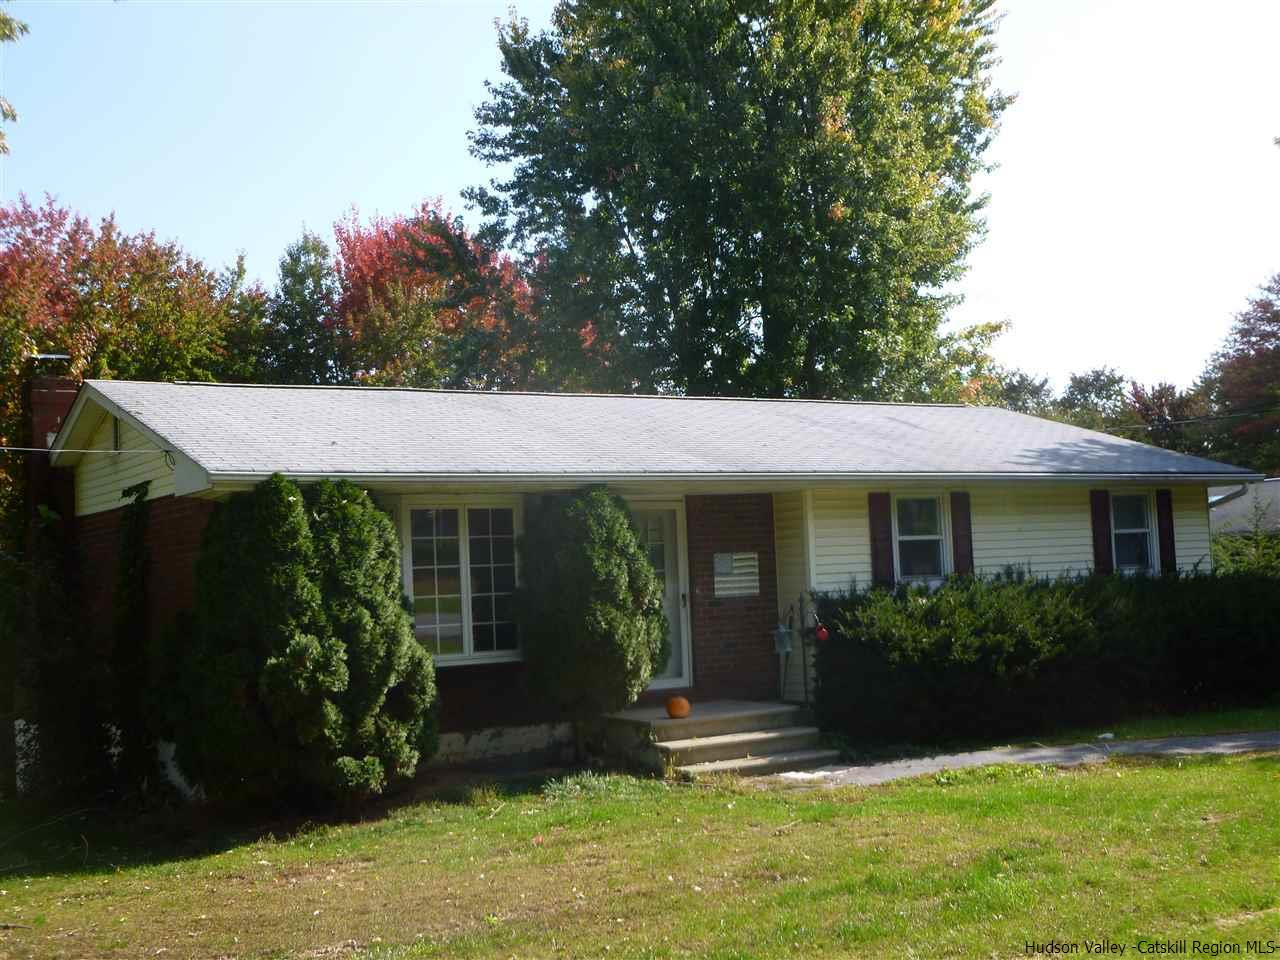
<point>108,453</point>
<point>1172,423</point>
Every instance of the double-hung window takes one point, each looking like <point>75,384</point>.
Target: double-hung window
<point>919,544</point>
<point>1131,532</point>
<point>460,576</point>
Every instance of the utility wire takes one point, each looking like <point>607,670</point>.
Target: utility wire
<point>1172,423</point>
<point>109,453</point>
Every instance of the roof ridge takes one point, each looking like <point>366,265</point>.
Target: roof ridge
<point>547,393</point>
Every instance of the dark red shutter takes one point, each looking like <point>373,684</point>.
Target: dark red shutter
<point>961,532</point>
<point>1100,512</point>
<point>1164,530</point>
<point>878,510</point>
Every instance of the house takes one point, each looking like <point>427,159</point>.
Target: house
<point>1245,507</point>
<point>744,505</point>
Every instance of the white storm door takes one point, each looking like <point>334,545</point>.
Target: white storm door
<point>660,531</point>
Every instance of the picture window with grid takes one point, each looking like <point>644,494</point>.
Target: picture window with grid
<point>463,580</point>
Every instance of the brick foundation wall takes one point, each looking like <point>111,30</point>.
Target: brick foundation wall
<point>732,636</point>
<point>476,696</point>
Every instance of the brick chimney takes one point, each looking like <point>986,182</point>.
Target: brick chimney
<point>46,402</point>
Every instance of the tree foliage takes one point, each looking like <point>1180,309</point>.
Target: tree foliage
<point>1243,384</point>
<point>302,340</point>
<point>402,301</point>
<point>758,200</point>
<point>10,30</point>
<point>303,680</point>
<point>124,306</point>
<point>590,606</point>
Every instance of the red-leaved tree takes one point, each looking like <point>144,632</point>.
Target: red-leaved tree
<point>422,303</point>
<point>1243,380</point>
<point>119,305</point>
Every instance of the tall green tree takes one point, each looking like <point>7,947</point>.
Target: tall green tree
<point>1096,399</point>
<point>744,198</point>
<point>304,340</point>
<point>11,29</point>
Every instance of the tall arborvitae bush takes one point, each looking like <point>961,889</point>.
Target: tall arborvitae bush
<point>303,681</point>
<point>590,607</point>
<point>388,703</point>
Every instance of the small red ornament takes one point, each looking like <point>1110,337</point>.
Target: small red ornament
<point>822,633</point>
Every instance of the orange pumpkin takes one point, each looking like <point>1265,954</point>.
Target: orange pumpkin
<point>678,707</point>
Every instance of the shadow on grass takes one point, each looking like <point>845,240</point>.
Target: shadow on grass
<point>109,833</point>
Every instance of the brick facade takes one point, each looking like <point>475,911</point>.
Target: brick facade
<point>732,636</point>
<point>175,527</point>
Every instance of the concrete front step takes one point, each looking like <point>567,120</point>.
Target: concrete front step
<point>762,765</point>
<point>732,746</point>
<point>725,717</point>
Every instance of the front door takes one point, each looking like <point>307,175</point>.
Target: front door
<point>659,529</point>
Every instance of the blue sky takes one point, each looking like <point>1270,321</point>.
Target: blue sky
<point>1133,211</point>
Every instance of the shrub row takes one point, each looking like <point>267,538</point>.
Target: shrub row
<point>989,658</point>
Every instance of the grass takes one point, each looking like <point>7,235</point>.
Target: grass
<point>1181,725</point>
<point>965,864</point>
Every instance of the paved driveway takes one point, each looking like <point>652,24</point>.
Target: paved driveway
<point>1064,756</point>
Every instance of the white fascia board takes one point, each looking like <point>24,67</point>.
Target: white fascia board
<point>188,476</point>
<point>240,479</point>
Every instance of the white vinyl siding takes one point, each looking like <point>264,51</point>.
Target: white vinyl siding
<point>1042,528</point>
<point>1191,528</point>
<point>1045,531</point>
<point>842,539</point>
<point>101,477</point>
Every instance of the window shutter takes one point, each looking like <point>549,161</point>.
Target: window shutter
<point>878,509</point>
<point>1100,511</point>
<point>961,533</point>
<point>1164,530</point>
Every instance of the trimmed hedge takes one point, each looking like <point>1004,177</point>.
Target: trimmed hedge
<point>990,658</point>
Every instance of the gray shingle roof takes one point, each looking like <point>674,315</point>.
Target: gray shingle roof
<point>309,431</point>
<point>1258,507</point>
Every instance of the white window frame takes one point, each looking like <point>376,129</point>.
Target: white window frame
<point>943,536</point>
<point>1153,543</point>
<point>461,503</point>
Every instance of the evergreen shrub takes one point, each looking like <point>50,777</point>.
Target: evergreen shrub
<point>302,680</point>
<point>990,658</point>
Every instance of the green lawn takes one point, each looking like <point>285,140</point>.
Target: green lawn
<point>1243,720</point>
<point>970,864</point>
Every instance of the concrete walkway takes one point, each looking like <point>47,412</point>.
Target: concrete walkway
<point>1063,756</point>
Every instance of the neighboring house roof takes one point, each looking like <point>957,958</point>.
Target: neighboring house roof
<point>1238,509</point>
<point>237,433</point>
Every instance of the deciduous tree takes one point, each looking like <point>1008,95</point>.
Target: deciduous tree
<point>1243,383</point>
<point>744,199</point>
<point>120,305</point>
<point>10,30</point>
